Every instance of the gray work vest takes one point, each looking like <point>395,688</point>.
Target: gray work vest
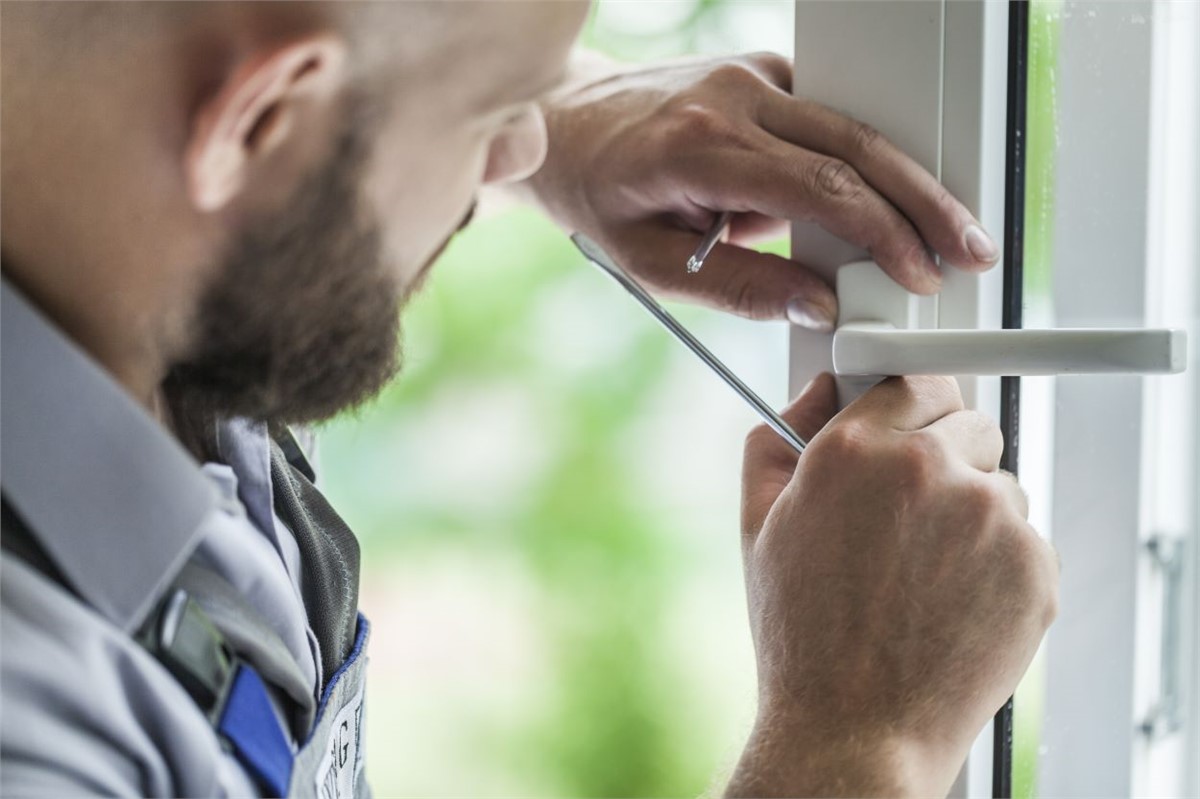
<point>233,664</point>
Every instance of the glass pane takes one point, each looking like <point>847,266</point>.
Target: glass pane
<point>1108,461</point>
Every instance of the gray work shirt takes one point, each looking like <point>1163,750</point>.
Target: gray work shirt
<point>118,505</point>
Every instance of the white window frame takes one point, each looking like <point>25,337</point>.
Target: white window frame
<point>932,76</point>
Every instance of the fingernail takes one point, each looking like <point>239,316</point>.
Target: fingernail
<point>981,245</point>
<point>806,313</point>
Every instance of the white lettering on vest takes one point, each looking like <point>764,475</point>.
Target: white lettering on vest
<point>342,762</point>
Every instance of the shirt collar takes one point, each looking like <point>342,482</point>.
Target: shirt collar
<point>112,498</point>
<point>246,447</point>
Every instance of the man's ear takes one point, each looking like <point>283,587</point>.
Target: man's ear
<point>254,111</point>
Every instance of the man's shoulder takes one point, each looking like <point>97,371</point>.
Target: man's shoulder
<point>86,708</point>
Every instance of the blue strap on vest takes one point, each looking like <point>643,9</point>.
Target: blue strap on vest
<point>248,723</point>
<point>226,688</point>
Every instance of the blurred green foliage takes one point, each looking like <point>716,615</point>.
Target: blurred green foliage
<point>1041,99</point>
<point>1045,19</point>
<point>527,588</point>
<point>572,525</point>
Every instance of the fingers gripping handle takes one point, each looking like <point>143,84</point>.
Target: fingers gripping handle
<point>873,339</point>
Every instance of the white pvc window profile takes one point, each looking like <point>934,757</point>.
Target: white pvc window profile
<point>931,75</point>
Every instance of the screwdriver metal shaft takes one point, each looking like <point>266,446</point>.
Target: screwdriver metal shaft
<point>596,255</point>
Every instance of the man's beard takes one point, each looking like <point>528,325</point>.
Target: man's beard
<point>302,320</point>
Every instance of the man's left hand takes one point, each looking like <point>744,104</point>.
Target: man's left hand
<point>643,161</point>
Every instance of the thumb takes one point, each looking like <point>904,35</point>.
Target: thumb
<point>770,462</point>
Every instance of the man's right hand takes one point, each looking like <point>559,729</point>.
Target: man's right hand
<point>896,591</point>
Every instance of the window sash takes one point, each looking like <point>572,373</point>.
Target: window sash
<point>931,75</point>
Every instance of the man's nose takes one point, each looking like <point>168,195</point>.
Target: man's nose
<point>519,149</point>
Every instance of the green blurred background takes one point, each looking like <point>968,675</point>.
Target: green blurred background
<point>547,498</point>
<point>547,501</point>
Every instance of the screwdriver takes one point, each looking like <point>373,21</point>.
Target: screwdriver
<point>708,242</point>
<point>592,251</point>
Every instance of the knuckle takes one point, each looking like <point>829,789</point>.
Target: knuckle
<point>688,116</point>
<point>985,427</point>
<point>921,458</point>
<point>1050,612</point>
<point>908,249</point>
<point>732,75</point>
<point>1037,577</point>
<point>770,58</point>
<point>743,299</point>
<point>865,140</point>
<point>773,63</point>
<point>744,302</point>
<point>693,120</point>
<point>945,203</point>
<point>988,427</point>
<point>1018,498</point>
<point>847,441</point>
<point>756,437</point>
<point>835,180</point>
<point>985,503</point>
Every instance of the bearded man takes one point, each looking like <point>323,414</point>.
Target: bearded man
<point>213,213</point>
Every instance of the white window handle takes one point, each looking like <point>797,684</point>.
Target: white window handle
<point>873,339</point>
